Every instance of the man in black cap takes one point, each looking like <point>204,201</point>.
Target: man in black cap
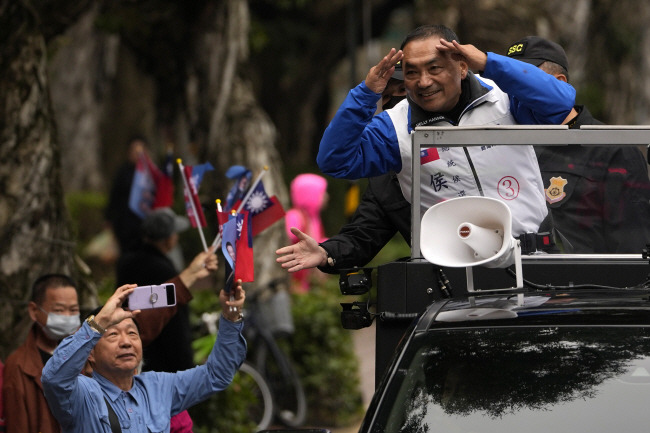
<point>598,196</point>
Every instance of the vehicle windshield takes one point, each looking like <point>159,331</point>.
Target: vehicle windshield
<point>532,379</point>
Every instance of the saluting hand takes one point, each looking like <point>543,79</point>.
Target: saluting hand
<point>378,76</point>
<point>475,58</point>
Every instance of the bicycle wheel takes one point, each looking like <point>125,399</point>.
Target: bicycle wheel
<point>288,394</point>
<point>257,393</point>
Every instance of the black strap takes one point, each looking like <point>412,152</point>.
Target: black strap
<point>532,242</point>
<point>112,418</point>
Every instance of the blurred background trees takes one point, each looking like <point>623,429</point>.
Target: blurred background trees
<point>231,82</point>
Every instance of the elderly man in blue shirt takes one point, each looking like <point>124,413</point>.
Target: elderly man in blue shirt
<point>144,402</point>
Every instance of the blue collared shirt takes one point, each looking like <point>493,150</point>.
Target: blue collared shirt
<point>78,402</point>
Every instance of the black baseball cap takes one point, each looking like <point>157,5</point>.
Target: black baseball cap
<point>536,50</point>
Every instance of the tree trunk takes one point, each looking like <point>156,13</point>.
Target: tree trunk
<point>34,227</point>
<point>229,125</point>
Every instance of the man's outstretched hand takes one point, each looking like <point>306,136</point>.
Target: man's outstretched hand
<point>304,254</point>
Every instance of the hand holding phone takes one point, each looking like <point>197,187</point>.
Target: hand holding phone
<point>154,296</point>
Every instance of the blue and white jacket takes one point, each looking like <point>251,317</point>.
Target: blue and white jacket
<point>359,144</point>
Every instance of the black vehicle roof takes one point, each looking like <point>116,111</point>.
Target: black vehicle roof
<point>624,306</point>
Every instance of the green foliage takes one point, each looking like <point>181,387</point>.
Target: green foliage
<point>86,209</point>
<point>322,352</point>
<point>395,249</point>
<point>593,95</point>
<point>86,213</point>
<point>105,288</point>
<point>226,410</point>
<point>202,347</point>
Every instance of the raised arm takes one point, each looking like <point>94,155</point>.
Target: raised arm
<point>196,384</point>
<point>382,212</point>
<point>536,98</point>
<point>151,322</point>
<point>356,144</point>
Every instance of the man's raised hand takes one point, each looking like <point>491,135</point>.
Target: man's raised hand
<point>378,76</point>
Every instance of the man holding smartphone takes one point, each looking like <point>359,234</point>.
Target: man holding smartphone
<point>110,342</point>
<point>166,332</point>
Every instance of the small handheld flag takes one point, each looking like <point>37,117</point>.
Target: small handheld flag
<point>164,180</point>
<point>242,177</point>
<point>192,177</point>
<point>264,210</point>
<point>143,187</point>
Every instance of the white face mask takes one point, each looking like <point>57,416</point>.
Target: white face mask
<point>59,326</point>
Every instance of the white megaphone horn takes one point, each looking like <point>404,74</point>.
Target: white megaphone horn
<point>470,231</point>
<point>485,242</point>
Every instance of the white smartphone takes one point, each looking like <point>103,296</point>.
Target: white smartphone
<point>154,296</point>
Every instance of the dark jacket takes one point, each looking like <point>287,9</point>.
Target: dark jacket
<point>172,349</point>
<point>26,409</point>
<point>124,222</point>
<point>382,212</point>
<point>600,196</point>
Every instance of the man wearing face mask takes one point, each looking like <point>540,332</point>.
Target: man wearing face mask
<point>54,309</point>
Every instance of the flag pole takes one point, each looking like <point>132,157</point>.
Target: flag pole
<point>191,198</point>
<point>252,188</point>
<point>232,297</point>
<point>217,238</point>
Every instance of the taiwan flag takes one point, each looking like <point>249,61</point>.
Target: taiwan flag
<point>151,188</point>
<point>242,177</point>
<point>222,218</point>
<point>245,267</point>
<point>194,176</point>
<point>143,189</point>
<point>164,180</point>
<point>229,242</point>
<point>428,155</point>
<point>263,210</point>
<point>229,250</point>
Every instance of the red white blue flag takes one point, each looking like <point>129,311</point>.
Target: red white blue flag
<point>237,247</point>
<point>263,210</point>
<point>229,241</point>
<point>143,188</point>
<point>194,176</point>
<point>428,155</point>
<point>242,177</point>
<point>151,188</point>
<point>245,267</point>
<point>164,180</point>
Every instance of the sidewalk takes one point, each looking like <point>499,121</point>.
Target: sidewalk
<point>364,347</point>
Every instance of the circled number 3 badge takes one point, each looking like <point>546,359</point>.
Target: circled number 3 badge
<point>508,188</point>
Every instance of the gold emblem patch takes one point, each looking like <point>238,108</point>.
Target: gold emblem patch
<point>555,191</point>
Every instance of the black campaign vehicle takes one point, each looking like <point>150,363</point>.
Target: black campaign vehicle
<point>563,361</point>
